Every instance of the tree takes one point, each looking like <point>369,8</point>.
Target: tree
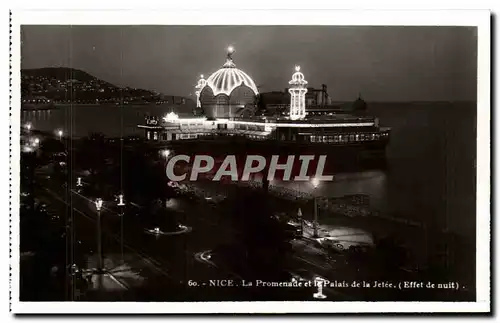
<point>146,179</point>
<point>262,241</point>
<point>93,153</point>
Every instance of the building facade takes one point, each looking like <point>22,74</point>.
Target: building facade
<point>228,101</point>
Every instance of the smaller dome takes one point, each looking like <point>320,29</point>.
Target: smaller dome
<point>201,83</point>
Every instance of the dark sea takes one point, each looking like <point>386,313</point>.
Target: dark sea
<point>431,177</point>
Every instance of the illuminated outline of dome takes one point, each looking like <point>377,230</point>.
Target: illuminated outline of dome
<point>228,78</point>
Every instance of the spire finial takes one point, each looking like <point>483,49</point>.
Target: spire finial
<point>229,59</point>
<point>230,51</point>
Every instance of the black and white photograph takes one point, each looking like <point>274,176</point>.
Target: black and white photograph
<point>298,162</point>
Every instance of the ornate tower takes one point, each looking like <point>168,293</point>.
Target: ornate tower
<point>298,90</point>
<point>201,84</point>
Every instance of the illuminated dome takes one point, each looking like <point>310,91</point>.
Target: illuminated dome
<point>228,78</point>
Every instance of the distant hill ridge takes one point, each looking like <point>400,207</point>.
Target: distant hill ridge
<point>66,84</point>
<point>60,73</point>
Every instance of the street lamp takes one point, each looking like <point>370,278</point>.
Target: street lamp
<point>319,284</point>
<point>60,133</point>
<point>120,200</point>
<point>79,183</point>
<point>299,215</point>
<point>165,153</point>
<point>121,204</point>
<point>98,205</point>
<point>315,183</point>
<point>28,126</point>
<point>35,142</point>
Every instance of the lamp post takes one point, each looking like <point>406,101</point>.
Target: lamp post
<point>318,281</point>
<point>315,183</point>
<point>60,133</point>
<point>121,204</point>
<point>79,182</point>
<point>120,200</point>
<point>100,262</point>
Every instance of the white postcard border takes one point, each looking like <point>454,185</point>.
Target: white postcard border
<point>479,18</point>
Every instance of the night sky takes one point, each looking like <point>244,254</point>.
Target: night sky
<point>381,63</point>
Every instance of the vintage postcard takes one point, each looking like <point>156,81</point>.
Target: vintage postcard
<point>250,161</point>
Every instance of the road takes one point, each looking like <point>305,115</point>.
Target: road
<point>164,267</point>
<point>168,261</point>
